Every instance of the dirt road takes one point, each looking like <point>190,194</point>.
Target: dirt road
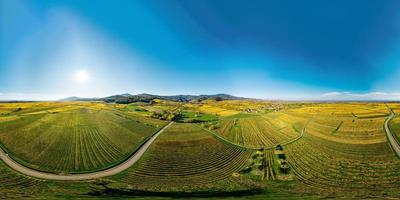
<point>392,140</point>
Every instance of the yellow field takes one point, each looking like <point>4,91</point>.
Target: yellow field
<point>331,149</point>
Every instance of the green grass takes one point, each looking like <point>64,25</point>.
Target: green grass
<point>139,109</point>
<point>240,115</point>
<point>193,117</point>
<point>13,185</point>
<point>395,127</point>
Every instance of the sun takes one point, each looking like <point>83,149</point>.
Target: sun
<point>81,76</point>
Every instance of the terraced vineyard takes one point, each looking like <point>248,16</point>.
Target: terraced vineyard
<point>264,130</point>
<point>185,155</point>
<point>76,140</point>
<point>343,152</point>
<point>341,155</point>
<point>337,167</point>
<point>348,129</point>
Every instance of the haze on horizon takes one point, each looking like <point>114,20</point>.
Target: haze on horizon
<point>278,49</point>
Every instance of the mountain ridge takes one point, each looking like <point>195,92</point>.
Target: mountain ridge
<point>144,97</point>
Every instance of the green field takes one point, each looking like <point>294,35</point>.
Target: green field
<point>195,117</point>
<point>74,141</point>
<point>194,158</point>
<point>266,130</point>
<point>343,152</point>
<point>395,127</point>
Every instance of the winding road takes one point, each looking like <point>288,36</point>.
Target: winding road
<point>392,140</point>
<point>86,176</point>
<point>139,153</point>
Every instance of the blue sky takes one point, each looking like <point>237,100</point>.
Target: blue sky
<point>283,49</point>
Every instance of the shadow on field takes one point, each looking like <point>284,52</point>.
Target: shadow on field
<point>112,192</point>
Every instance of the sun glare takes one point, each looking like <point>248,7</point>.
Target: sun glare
<point>81,76</point>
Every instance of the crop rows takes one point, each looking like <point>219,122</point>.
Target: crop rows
<point>352,158</point>
<point>347,129</point>
<point>368,110</point>
<point>324,166</point>
<point>395,127</point>
<point>75,141</point>
<point>395,107</point>
<point>13,185</point>
<point>185,155</point>
<point>262,131</point>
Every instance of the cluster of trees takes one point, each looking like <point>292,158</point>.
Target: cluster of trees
<point>166,115</point>
<point>259,165</point>
<point>211,125</point>
<point>284,166</point>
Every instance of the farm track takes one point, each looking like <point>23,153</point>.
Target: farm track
<point>84,176</point>
<point>393,142</point>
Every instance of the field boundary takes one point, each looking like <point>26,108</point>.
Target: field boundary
<point>254,148</point>
<point>82,176</point>
<point>225,140</point>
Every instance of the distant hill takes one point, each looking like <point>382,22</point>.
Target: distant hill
<point>70,99</point>
<point>126,95</point>
<point>180,98</point>
<point>128,98</point>
<point>73,98</point>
